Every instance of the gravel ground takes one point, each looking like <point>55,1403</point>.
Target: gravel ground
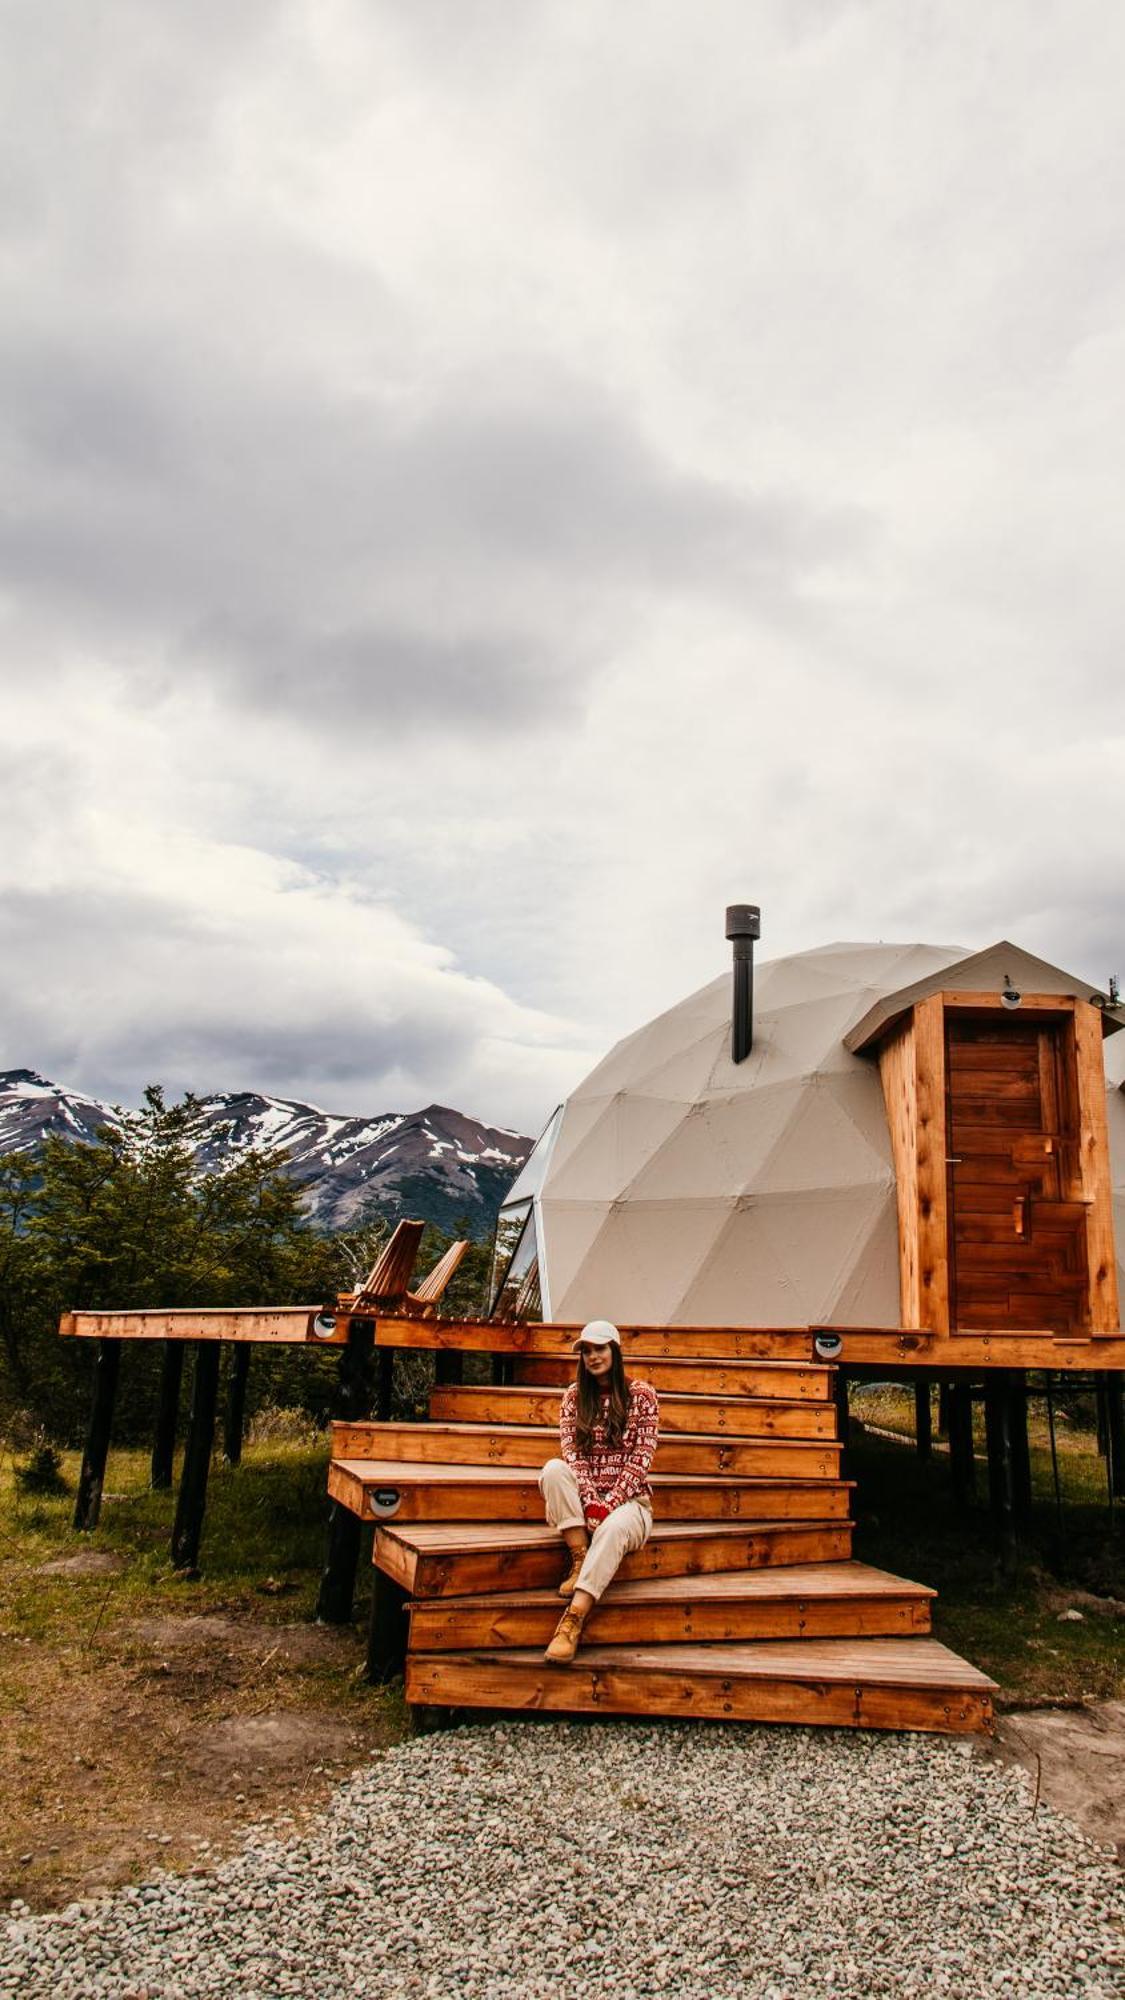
<point>613,1861</point>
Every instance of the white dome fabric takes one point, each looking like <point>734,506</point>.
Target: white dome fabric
<point>686,1189</point>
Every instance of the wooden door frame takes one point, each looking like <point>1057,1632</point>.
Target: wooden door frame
<point>912,1067</point>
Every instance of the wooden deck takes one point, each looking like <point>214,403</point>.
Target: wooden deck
<point>744,1604</point>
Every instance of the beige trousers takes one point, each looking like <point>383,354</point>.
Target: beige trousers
<point>627,1528</point>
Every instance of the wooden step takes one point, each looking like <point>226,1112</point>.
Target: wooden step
<point>826,1600</point>
<point>787,1343</point>
<point>733,1416</point>
<point>789,1381</point>
<point>397,1489</point>
<point>527,1445</point>
<point>450,1559</point>
<point>843,1683</point>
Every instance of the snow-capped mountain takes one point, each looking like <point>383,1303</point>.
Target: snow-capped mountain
<point>434,1163</point>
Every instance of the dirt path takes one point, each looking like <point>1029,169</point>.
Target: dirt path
<point>163,1745</point>
<point>1077,1756</point>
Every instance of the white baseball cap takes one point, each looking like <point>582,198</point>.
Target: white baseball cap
<point>598,1333</point>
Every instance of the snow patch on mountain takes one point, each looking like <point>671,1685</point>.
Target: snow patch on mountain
<point>435,1163</point>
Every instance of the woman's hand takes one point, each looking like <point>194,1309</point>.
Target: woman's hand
<point>596,1513</point>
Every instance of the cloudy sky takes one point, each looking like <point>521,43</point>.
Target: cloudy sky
<point>489,482</point>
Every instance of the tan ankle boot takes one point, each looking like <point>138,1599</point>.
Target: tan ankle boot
<point>568,1632</point>
<point>577,1542</point>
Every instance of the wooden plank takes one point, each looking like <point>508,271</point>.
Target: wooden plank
<point>733,1343</point>
<point>446,1559</point>
<point>932,1176</point>
<point>1095,1170</point>
<point>897,1075</point>
<point>393,1490</point>
<point>790,1381</point>
<point>725,1416</point>
<point>991,1003</point>
<point>796,1682</point>
<point>520,1445</point>
<point>279,1326</point>
<point>826,1600</point>
<point>982,1349</point>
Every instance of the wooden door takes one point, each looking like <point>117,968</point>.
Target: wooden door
<point>1017,1234</point>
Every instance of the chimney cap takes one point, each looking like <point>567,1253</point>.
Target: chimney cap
<point>744,920</point>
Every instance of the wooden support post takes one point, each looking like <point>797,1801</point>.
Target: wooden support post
<point>449,1368</point>
<point>236,1402</point>
<point>385,1383</point>
<point>426,1720</point>
<point>843,1418</point>
<point>387,1629</point>
<point>1001,1470</point>
<point>1021,1452</point>
<point>167,1415</point>
<point>923,1421</point>
<point>962,1463</point>
<point>1115,1435</point>
<point>191,1501</point>
<point>345,1529</point>
<point>943,1409</point>
<point>91,1479</point>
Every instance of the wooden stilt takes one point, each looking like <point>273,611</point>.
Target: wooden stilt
<point>1001,1470</point>
<point>387,1629</point>
<point>167,1415</point>
<point>943,1409</point>
<point>191,1502</point>
<point>236,1403</point>
<point>426,1720</point>
<point>337,1583</point>
<point>385,1383</point>
<point>88,1505</point>
<point>962,1463</point>
<point>1021,1454</point>
<point>1049,1383</point>
<point>923,1421</point>
<point>449,1368</point>
<point>1115,1434</point>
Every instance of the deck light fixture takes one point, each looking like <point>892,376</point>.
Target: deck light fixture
<point>1010,996</point>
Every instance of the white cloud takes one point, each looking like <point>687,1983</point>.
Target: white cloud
<point>494,484</point>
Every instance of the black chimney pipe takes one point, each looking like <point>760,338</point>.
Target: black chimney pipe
<point>744,925</point>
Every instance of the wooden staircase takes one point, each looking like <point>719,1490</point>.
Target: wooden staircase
<point>745,1603</point>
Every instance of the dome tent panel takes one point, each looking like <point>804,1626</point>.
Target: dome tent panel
<point>684,1076</point>
<point>785,1260</point>
<point>641,1258</point>
<point>790,1044</point>
<point>821,1147</point>
<point>715,1147</point>
<point>569,1231</point>
<point>627,1131</point>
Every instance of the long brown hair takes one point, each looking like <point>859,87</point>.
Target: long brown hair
<point>590,1392</point>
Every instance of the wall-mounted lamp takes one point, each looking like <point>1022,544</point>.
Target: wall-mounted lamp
<point>1010,995</point>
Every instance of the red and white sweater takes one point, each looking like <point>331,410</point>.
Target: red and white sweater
<point>609,1475</point>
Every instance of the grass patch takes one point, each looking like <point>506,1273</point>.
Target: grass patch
<point>144,1717</point>
<point>1010,1619</point>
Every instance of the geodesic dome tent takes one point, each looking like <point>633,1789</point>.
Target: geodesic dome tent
<point>676,1186</point>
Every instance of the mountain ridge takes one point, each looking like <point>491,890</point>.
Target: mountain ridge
<point>436,1163</point>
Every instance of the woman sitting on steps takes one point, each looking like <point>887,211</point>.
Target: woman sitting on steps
<point>597,1494</point>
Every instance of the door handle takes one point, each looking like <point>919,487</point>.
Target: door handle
<point>1019,1215</point>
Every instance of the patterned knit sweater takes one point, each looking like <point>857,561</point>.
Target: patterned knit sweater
<point>614,1474</point>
